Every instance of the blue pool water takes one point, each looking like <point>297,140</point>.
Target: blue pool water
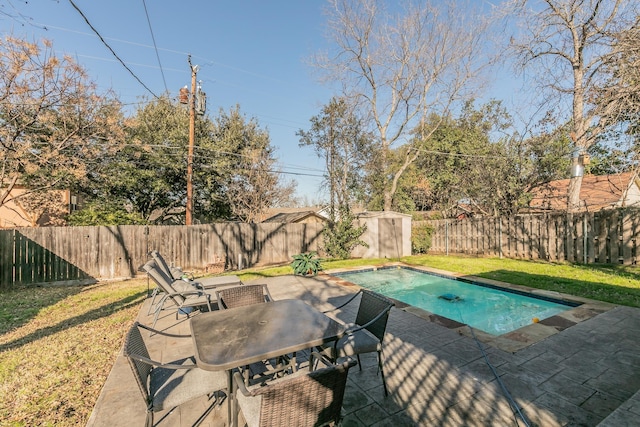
<point>490,310</point>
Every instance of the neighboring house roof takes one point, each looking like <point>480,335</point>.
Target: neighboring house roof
<point>296,217</point>
<point>597,192</point>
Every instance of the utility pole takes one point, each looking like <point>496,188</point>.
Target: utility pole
<point>192,136</point>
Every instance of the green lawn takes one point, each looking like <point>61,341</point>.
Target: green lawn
<point>57,344</point>
<point>611,283</point>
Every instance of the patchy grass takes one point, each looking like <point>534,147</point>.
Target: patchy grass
<point>57,347</point>
<point>58,344</point>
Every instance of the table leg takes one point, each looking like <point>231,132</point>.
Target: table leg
<point>231,413</point>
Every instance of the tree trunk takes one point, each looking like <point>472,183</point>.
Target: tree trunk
<point>573,194</point>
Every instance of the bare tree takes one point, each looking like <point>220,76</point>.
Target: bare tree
<point>256,186</point>
<point>398,66</point>
<point>618,100</point>
<point>55,127</point>
<point>570,41</point>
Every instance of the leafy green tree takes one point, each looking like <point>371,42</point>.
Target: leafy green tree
<point>338,136</point>
<point>618,99</point>
<point>607,160</point>
<point>463,161</point>
<point>148,176</point>
<point>253,182</point>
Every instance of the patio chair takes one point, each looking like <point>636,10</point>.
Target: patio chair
<point>239,296</point>
<point>176,273</point>
<point>366,334</point>
<point>169,385</point>
<point>173,272</point>
<point>305,398</point>
<point>183,296</point>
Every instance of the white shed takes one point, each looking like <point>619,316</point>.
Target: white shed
<point>388,235</point>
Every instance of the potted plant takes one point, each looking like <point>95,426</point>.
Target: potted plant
<point>306,263</point>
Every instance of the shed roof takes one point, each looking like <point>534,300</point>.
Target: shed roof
<point>293,217</point>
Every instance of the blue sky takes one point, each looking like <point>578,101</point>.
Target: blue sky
<point>249,52</point>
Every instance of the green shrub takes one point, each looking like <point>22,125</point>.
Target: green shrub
<point>421,238</point>
<point>340,237</point>
<point>95,214</point>
<point>306,263</point>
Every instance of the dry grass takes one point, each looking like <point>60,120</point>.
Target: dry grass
<point>57,347</point>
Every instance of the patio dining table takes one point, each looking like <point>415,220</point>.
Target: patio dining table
<point>228,339</point>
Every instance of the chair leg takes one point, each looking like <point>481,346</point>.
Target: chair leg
<point>359,362</point>
<point>156,314</point>
<point>384,383</point>
<point>154,294</point>
<point>149,422</point>
<point>208,411</point>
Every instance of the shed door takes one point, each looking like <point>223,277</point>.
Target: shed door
<point>390,237</point>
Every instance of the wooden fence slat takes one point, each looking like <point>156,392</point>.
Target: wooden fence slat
<point>6,258</point>
<point>82,253</point>
<point>605,236</point>
<point>627,237</point>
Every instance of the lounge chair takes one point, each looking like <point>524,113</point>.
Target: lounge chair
<point>168,385</point>
<point>176,273</point>
<point>182,295</point>
<point>301,399</point>
<point>366,334</point>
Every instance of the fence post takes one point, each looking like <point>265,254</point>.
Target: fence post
<point>446,237</point>
<point>584,238</point>
<point>500,237</point>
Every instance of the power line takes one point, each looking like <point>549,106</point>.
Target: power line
<point>207,62</point>
<point>155,46</point>
<point>109,47</point>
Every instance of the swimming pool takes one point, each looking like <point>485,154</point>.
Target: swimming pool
<point>489,309</point>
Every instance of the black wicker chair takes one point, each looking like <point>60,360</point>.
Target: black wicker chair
<point>366,334</point>
<point>239,296</point>
<point>168,385</point>
<point>301,399</point>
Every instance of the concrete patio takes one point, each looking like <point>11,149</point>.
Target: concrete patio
<point>587,374</point>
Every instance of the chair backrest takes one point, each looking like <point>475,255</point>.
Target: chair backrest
<point>307,400</point>
<point>162,264</point>
<point>134,346</point>
<point>371,305</point>
<point>163,282</point>
<point>239,296</point>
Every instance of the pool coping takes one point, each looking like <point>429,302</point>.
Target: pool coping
<point>510,342</point>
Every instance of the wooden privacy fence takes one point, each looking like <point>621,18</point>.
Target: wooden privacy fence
<point>600,237</point>
<point>85,254</point>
